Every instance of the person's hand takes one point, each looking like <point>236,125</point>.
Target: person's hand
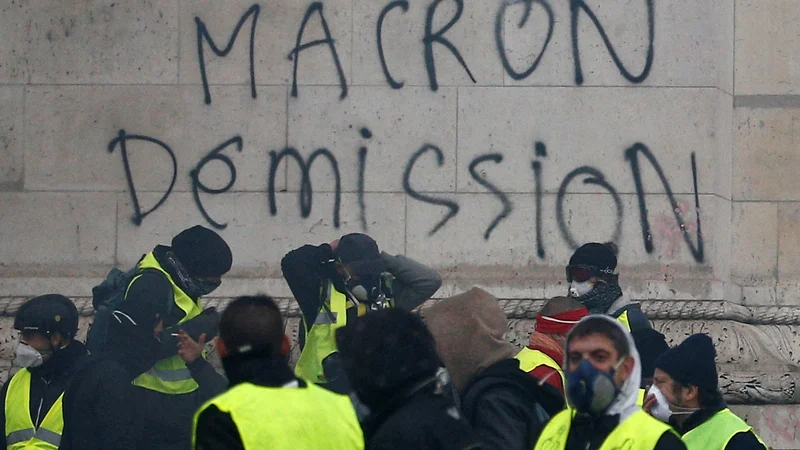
<point>649,403</point>
<point>189,349</point>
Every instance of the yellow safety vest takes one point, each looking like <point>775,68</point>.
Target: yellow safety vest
<point>716,432</point>
<point>640,398</point>
<point>21,433</point>
<point>170,375</point>
<point>640,431</point>
<point>321,338</point>
<point>307,418</point>
<point>530,359</point>
<point>623,318</point>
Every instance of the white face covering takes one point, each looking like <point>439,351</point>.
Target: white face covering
<point>27,356</point>
<point>577,289</point>
<point>663,409</point>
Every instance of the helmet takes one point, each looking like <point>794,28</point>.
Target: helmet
<point>47,314</point>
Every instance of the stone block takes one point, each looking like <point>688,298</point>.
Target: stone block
<point>276,32</point>
<point>766,47</point>
<point>788,293</point>
<point>70,128</point>
<point>754,256</point>
<point>776,424</point>
<point>399,122</point>
<point>766,161</point>
<point>14,64</point>
<point>11,136</point>
<point>789,242</point>
<point>693,44</point>
<point>92,41</point>
<point>404,50</point>
<point>594,127</point>
<point>759,296</point>
<point>258,240</point>
<point>511,250</point>
<point>52,229</point>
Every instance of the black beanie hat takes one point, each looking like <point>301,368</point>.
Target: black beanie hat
<point>594,254</point>
<point>692,362</point>
<point>203,252</point>
<point>650,344</point>
<point>385,352</point>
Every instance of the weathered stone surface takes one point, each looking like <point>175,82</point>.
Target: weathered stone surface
<point>60,158</point>
<point>777,425</point>
<point>692,45</point>
<point>14,62</point>
<point>276,32</point>
<point>260,253</point>
<point>789,238</point>
<point>765,155</point>
<point>755,253</point>
<point>766,47</point>
<point>91,41</point>
<point>399,124</point>
<point>404,50</point>
<point>11,136</point>
<point>594,127</point>
<point>52,229</point>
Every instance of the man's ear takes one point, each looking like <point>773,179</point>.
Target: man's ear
<point>691,393</point>
<point>285,346</point>
<point>222,350</point>
<point>627,366</point>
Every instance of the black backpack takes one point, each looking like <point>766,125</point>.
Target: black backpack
<point>106,297</point>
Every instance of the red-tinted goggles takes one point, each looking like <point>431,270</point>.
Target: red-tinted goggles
<point>581,273</point>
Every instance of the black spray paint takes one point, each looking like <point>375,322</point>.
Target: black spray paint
<point>595,177</point>
<point>197,185</point>
<point>438,37</point>
<point>451,205</point>
<point>501,46</point>
<point>401,4</point>
<point>316,7</point>
<point>541,152</point>
<point>507,205</point>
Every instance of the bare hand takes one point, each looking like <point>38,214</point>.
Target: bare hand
<point>649,403</point>
<point>189,349</point>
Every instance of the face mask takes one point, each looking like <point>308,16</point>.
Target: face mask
<point>207,287</point>
<point>661,410</point>
<point>579,289</point>
<point>28,357</point>
<point>590,390</point>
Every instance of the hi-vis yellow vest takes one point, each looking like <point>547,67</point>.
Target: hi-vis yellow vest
<point>716,432</point>
<point>306,418</point>
<point>531,359</point>
<point>321,338</point>
<point>623,318</point>
<point>21,434</point>
<point>640,431</point>
<point>170,375</point>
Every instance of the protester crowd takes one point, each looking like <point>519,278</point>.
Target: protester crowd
<point>375,370</point>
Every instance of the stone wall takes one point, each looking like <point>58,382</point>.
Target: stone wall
<point>485,138</point>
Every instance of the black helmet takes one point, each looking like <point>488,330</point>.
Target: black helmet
<point>47,314</point>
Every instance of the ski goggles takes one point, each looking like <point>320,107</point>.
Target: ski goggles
<point>582,273</point>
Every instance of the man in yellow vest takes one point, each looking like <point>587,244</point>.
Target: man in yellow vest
<point>266,406</point>
<point>685,393</point>
<point>543,355</point>
<point>337,282</point>
<point>603,373</point>
<point>174,278</point>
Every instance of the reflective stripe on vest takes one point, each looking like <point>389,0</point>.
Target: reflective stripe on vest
<point>321,338</point>
<point>640,431</point>
<point>530,359</point>
<point>21,433</point>
<point>306,418</point>
<point>716,432</point>
<point>170,375</point>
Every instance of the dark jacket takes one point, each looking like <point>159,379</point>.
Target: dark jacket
<point>307,270</point>
<point>740,441</point>
<point>636,318</point>
<point>48,382</point>
<point>589,433</point>
<point>99,408</point>
<point>419,418</point>
<point>216,429</point>
<point>507,407</point>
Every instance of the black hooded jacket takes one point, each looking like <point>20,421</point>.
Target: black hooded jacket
<point>507,407</point>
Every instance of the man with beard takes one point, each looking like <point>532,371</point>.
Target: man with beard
<point>685,394</point>
<point>603,377</point>
<point>338,282</point>
<point>592,281</point>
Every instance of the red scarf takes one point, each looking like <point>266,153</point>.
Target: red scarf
<point>560,323</point>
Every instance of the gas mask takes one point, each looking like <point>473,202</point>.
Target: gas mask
<point>578,289</point>
<point>28,357</point>
<point>591,390</point>
<point>373,290</point>
<point>663,409</point>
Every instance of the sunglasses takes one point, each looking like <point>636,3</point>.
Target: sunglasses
<point>580,273</point>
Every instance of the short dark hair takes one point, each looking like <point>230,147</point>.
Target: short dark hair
<point>558,305</point>
<point>707,398</point>
<point>252,324</point>
<point>602,325</point>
